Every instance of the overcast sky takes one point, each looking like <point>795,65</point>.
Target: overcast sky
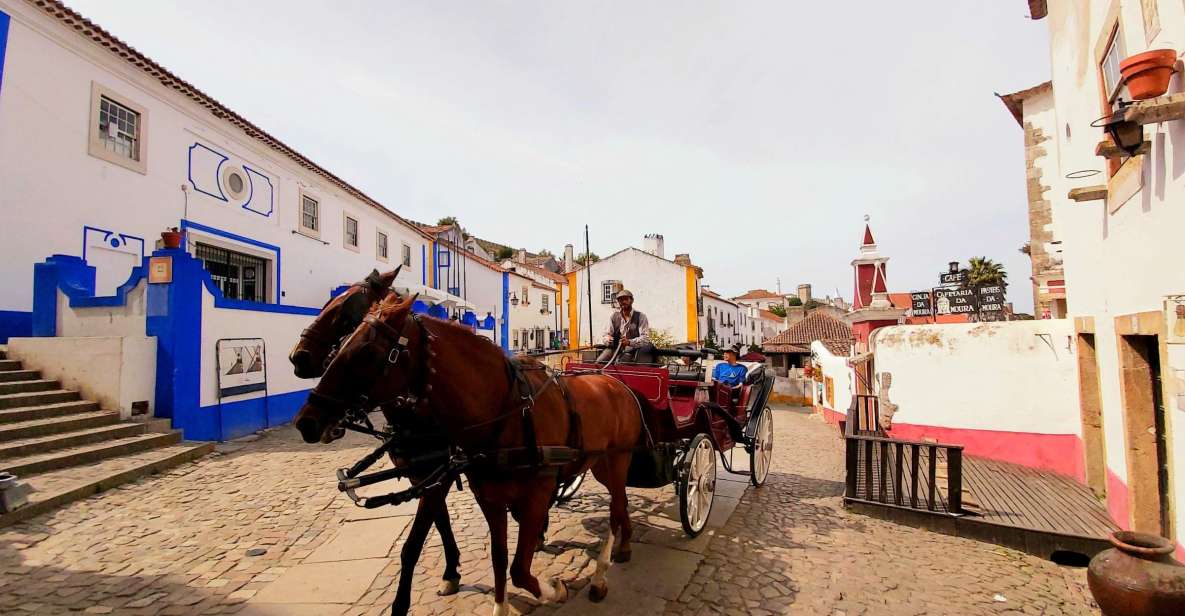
<point>753,135</point>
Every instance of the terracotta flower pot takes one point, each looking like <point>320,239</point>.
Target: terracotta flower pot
<point>171,239</point>
<point>1137,577</point>
<point>1147,74</point>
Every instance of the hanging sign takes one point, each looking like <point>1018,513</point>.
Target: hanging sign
<point>953,277</point>
<point>954,301</point>
<point>921,303</point>
<point>991,299</point>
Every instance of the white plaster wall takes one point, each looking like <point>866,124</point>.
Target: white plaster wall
<point>527,315</point>
<point>485,293</point>
<point>114,371</point>
<point>835,367</point>
<point>279,332</point>
<point>126,320</point>
<point>1017,376</point>
<point>47,174</point>
<point>726,335</point>
<point>659,288</point>
<point>1125,262</point>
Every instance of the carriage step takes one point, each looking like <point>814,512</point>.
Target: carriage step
<point>19,387</point>
<point>9,376</point>
<point>62,440</point>
<point>54,489</point>
<point>27,399</point>
<point>87,454</point>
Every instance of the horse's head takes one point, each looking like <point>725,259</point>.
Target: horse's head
<point>338,318</point>
<point>372,367</point>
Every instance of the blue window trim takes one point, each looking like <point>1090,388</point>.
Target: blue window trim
<point>4,19</point>
<point>217,170</point>
<point>506,312</point>
<point>424,265</point>
<point>189,224</point>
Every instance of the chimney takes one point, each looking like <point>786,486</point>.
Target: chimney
<point>652,243</point>
<point>683,259</point>
<point>804,292</point>
<point>520,255</point>
<point>569,258</point>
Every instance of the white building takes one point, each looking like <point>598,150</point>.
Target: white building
<point>104,149</point>
<point>666,291</point>
<point>1124,288</point>
<point>537,298</point>
<point>720,320</point>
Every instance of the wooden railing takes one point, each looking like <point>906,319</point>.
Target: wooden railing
<point>904,473</point>
<point>864,416</point>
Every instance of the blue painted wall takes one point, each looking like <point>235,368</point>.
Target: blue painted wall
<point>3,45</point>
<point>15,324</point>
<point>505,331</point>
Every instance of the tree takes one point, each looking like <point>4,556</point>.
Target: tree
<point>793,301</point>
<point>781,310</point>
<point>505,252</point>
<point>582,258</point>
<point>545,253</point>
<point>661,338</point>
<point>982,271</point>
<point>710,342</point>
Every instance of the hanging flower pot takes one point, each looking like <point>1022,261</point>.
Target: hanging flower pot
<point>1147,74</point>
<point>171,238</point>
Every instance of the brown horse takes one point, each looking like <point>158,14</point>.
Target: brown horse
<point>506,415</point>
<point>309,357</point>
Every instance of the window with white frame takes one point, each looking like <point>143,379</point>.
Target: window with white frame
<point>310,216</point>
<point>351,232</point>
<point>1112,81</point>
<point>117,129</point>
<point>526,297</point>
<point>609,289</point>
<point>546,302</point>
<point>380,245</point>
<point>406,255</point>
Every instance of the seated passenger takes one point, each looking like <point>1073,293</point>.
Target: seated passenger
<point>628,329</point>
<point>729,371</point>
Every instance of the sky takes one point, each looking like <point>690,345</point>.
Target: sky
<point>753,135</point>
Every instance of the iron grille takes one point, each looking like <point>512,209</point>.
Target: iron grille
<point>237,275</point>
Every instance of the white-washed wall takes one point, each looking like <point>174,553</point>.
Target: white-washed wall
<point>836,368</point>
<point>659,288</point>
<point>125,320</point>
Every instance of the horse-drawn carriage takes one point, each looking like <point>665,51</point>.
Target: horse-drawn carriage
<point>686,421</point>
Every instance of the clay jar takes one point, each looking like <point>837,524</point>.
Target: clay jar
<point>1147,74</point>
<point>1137,577</point>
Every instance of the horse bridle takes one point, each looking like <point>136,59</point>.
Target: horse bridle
<point>370,285</point>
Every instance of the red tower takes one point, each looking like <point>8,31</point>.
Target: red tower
<point>871,308</point>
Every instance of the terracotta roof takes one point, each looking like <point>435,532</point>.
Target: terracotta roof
<point>108,41</point>
<point>1015,101</point>
<point>901,300</point>
<point>759,294</point>
<point>548,274</point>
<point>834,334</point>
<point>433,229</point>
<point>714,295</point>
<point>765,314</point>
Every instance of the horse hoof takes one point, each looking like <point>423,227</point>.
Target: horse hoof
<point>448,587</point>
<point>622,557</point>
<point>561,591</point>
<point>597,594</point>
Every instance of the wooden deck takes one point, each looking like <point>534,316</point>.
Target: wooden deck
<point>1016,506</point>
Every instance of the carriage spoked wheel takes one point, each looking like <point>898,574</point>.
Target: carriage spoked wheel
<point>568,490</point>
<point>697,485</point>
<point>763,448</point>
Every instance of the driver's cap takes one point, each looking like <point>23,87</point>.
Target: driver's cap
<point>625,293</point>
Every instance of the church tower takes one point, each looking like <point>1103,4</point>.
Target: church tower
<point>869,271</point>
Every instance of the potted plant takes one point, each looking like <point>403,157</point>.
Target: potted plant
<point>171,238</point>
<point>1147,74</point>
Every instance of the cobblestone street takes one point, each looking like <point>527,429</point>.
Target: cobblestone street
<point>178,543</point>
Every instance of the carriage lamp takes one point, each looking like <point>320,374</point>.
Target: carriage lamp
<point>1127,135</point>
<point>513,299</point>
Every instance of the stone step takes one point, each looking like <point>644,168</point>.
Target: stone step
<point>9,364</point>
<point>47,410</point>
<point>19,375</point>
<point>86,454</point>
<point>15,401</point>
<point>18,387</point>
<point>79,416</point>
<point>57,488</point>
<point>63,440</point>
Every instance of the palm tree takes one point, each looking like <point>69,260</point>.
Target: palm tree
<point>982,271</point>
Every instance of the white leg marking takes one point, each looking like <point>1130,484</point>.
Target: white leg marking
<point>500,609</point>
<point>603,561</point>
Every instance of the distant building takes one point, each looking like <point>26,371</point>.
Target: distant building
<point>720,318</point>
<point>792,348</point>
<point>760,298</point>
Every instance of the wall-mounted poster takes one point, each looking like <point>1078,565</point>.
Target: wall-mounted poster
<point>242,366</point>
<point>829,387</point>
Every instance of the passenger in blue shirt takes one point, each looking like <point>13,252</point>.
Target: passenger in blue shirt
<point>730,372</point>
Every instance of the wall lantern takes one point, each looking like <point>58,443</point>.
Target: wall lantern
<point>1126,134</point>
<point>513,299</point>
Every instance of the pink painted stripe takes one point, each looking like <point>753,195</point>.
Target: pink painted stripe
<point>1058,453</point>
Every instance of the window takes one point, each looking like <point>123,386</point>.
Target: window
<point>609,289</point>
<point>546,301</point>
<point>351,233</point>
<point>514,339</point>
<point>526,298</point>
<point>1112,81</point>
<point>380,245</point>
<point>310,216</point>
<point>117,129</point>
<point>237,275</point>
<point>406,255</point>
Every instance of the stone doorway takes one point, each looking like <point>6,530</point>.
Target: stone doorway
<point>1091,405</point>
<point>1146,433</point>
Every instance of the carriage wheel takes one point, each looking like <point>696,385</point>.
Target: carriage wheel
<point>568,490</point>
<point>763,448</point>
<point>698,485</point>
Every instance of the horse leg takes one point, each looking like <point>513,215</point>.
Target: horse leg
<point>619,516</point>
<point>426,512</point>
<point>599,587</point>
<point>532,516</point>
<point>496,519</point>
<point>451,581</point>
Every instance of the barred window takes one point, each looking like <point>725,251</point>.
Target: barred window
<point>351,232</point>
<point>237,275</point>
<point>546,301</point>
<point>119,129</point>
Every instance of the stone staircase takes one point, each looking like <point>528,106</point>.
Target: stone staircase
<point>68,448</point>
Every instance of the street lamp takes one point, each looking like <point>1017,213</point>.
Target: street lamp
<point>1126,134</point>
<point>513,299</point>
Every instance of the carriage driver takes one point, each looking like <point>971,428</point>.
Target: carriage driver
<point>628,329</point>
